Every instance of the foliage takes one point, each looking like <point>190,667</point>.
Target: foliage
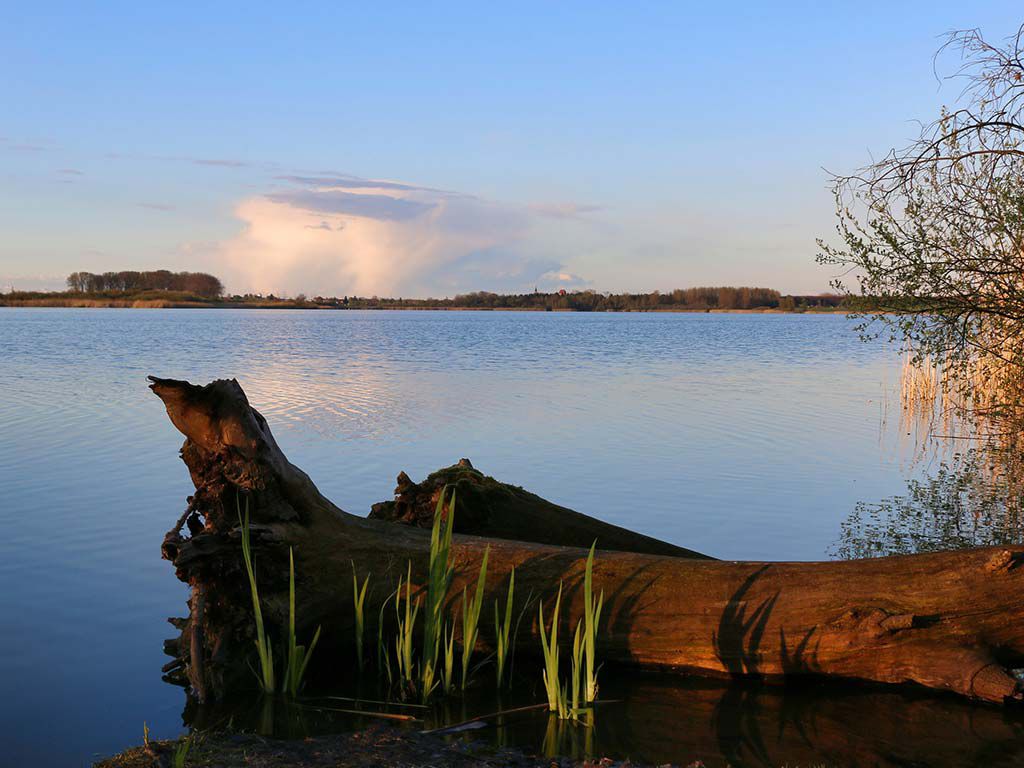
<point>503,628</point>
<point>575,676</point>
<point>263,645</point>
<point>471,618</point>
<point>205,289</point>
<point>931,235</point>
<point>181,752</point>
<point>383,657</point>
<point>439,578</point>
<point>298,655</point>
<point>592,620</point>
<point>687,299</point>
<point>406,620</point>
<point>198,283</point>
<point>549,649</point>
<point>448,670</point>
<point>961,505</point>
<point>567,699</point>
<point>358,600</point>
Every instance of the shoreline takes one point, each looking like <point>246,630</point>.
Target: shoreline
<point>165,304</point>
<point>374,745</point>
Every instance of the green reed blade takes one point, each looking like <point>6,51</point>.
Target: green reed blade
<point>263,646</point>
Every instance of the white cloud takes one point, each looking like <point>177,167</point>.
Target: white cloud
<point>342,235</point>
<point>564,210</point>
<point>563,280</point>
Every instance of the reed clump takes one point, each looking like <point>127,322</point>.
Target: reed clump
<point>440,572</point>
<point>359,600</point>
<point>264,649</point>
<point>471,618</point>
<point>181,750</point>
<point>406,621</point>
<point>431,666</point>
<point>549,649</point>
<point>297,656</point>
<point>569,699</point>
<point>503,628</point>
<point>591,619</point>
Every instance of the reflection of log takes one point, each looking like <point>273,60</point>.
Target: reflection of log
<point>951,621</point>
<point>753,725</point>
<point>502,511</point>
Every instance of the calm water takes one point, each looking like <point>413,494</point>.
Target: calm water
<point>743,436</point>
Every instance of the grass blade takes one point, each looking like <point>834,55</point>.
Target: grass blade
<point>263,648</point>
<point>471,618</point>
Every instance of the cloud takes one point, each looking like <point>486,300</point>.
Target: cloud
<point>158,206</point>
<point>70,172</point>
<point>219,163</point>
<point>561,279</point>
<point>373,206</point>
<point>342,181</point>
<point>564,210</point>
<point>499,270</point>
<point>337,234</point>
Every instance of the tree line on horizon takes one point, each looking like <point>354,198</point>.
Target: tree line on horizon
<point>131,281</point>
<point>202,285</point>
<point>701,298</point>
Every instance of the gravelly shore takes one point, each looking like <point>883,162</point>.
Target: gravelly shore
<point>375,746</point>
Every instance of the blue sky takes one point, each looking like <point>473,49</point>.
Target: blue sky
<point>416,149</point>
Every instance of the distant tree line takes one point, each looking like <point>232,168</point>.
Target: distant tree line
<point>691,299</point>
<point>195,283</point>
<point>201,285</point>
<point>593,301</point>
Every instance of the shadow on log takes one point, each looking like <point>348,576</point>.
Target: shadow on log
<point>487,507</point>
<point>950,621</point>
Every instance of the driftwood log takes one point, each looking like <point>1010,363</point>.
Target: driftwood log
<point>951,621</point>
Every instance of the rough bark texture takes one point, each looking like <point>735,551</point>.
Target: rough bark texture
<point>951,621</point>
<point>487,507</point>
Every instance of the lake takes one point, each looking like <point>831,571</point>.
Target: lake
<point>744,436</point>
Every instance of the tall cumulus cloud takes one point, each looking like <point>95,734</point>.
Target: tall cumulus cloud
<point>336,234</point>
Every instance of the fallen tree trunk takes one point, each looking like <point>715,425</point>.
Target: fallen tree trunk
<point>951,621</point>
<point>487,507</point>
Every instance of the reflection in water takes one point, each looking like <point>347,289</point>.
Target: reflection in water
<point>659,718</point>
<point>972,499</point>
